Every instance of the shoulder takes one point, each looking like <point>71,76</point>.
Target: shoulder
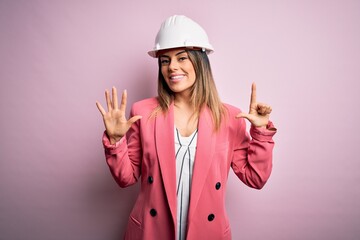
<point>144,106</point>
<point>231,110</point>
<point>230,122</point>
<point>148,102</point>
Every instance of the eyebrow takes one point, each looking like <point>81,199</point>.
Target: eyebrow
<point>175,54</point>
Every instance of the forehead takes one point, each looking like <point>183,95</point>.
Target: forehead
<point>171,52</point>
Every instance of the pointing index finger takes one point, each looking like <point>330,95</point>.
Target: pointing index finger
<point>253,94</point>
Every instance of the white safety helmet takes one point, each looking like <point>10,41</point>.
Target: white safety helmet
<point>180,31</point>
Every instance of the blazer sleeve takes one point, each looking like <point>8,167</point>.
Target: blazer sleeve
<point>252,158</point>
<point>124,157</point>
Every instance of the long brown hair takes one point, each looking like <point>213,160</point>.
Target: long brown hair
<point>203,92</point>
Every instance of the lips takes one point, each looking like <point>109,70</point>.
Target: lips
<point>176,77</point>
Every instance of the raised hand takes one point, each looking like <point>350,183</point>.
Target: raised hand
<point>114,120</point>
<point>258,112</point>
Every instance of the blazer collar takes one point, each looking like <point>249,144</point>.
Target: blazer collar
<point>165,147</point>
<point>203,157</point>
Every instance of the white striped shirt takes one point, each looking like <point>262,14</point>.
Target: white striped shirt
<point>185,148</point>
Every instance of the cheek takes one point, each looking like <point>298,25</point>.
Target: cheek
<point>191,71</point>
<point>164,71</point>
<point>193,75</point>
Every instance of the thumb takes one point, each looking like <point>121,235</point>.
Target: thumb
<point>134,119</point>
<point>243,115</point>
<point>248,116</point>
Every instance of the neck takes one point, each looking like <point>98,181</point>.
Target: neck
<point>186,119</point>
<point>183,101</point>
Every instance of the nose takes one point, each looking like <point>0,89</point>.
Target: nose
<point>173,65</point>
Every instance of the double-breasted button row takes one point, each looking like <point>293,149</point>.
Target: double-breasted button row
<point>211,216</point>
<point>153,212</point>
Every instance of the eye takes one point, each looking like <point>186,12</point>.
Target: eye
<point>164,61</point>
<point>182,59</point>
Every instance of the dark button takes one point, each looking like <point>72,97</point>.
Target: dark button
<point>211,217</point>
<point>217,185</point>
<point>153,212</point>
<point>150,179</point>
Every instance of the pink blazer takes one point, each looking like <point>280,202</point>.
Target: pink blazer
<point>148,154</point>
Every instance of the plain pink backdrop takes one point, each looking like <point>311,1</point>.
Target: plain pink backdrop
<point>57,58</point>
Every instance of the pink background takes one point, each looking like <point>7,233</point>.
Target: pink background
<point>56,59</point>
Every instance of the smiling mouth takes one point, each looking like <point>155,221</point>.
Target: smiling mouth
<point>176,78</point>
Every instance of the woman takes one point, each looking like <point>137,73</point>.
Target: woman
<point>182,144</point>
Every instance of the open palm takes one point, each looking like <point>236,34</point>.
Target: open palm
<point>115,120</point>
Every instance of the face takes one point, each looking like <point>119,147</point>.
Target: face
<point>177,70</point>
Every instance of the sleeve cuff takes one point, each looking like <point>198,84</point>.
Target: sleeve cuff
<point>112,149</point>
<point>263,134</point>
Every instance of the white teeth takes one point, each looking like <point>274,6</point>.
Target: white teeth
<point>176,77</point>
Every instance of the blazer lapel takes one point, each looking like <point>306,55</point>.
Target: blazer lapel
<point>165,147</point>
<point>203,157</point>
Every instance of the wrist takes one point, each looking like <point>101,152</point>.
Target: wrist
<point>113,139</point>
<point>269,126</point>
<point>264,125</point>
